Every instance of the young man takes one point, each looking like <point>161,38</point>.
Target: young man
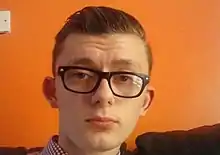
<point>101,67</point>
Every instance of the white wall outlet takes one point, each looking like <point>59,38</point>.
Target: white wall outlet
<point>5,21</point>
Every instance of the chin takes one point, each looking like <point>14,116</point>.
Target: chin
<point>104,146</point>
<point>102,142</point>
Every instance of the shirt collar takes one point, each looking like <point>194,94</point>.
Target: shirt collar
<point>53,148</point>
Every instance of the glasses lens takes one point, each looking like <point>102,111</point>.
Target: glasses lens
<point>80,80</point>
<point>126,84</point>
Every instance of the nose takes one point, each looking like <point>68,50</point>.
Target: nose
<point>103,95</point>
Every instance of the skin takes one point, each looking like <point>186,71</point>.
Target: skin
<point>105,53</point>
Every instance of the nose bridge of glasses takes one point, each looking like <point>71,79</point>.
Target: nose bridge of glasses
<point>104,77</point>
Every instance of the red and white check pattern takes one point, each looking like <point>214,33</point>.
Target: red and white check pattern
<point>53,148</point>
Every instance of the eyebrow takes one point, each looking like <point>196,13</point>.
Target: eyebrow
<point>125,64</point>
<point>118,63</point>
<point>82,61</point>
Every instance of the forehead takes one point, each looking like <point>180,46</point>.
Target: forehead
<point>104,49</point>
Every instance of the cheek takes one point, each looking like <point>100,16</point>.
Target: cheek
<point>132,110</point>
<point>129,114</point>
<point>72,101</point>
<point>72,108</point>
<point>67,98</point>
<point>134,113</point>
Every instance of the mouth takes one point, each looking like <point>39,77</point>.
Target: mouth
<point>102,122</point>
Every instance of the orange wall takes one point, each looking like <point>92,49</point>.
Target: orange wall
<point>185,39</point>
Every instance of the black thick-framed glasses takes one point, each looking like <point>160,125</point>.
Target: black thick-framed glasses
<point>84,80</point>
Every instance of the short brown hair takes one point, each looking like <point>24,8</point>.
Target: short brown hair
<point>99,20</point>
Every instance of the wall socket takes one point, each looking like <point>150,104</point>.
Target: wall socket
<point>5,21</point>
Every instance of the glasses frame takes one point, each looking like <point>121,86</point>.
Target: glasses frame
<point>103,75</point>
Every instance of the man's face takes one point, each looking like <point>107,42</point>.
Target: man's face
<point>81,114</point>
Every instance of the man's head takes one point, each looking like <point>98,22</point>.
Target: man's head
<point>101,67</point>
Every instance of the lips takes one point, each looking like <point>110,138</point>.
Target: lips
<point>102,119</point>
<point>102,122</point>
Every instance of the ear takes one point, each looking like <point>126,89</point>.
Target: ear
<point>49,91</point>
<point>149,95</point>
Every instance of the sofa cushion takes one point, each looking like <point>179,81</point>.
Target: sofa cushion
<point>13,151</point>
<point>199,141</point>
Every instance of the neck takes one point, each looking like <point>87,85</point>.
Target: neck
<point>73,149</point>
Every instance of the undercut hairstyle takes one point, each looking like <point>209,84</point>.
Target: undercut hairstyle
<point>98,20</point>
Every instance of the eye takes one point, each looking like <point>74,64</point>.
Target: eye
<point>124,78</point>
<point>79,75</point>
